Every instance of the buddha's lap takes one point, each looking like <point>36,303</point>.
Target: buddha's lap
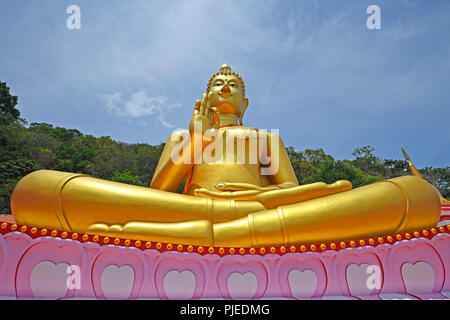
<point>74,202</point>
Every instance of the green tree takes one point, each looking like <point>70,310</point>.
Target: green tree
<point>396,168</point>
<point>303,162</point>
<point>316,156</point>
<point>8,111</point>
<point>331,171</point>
<point>438,177</point>
<point>127,177</point>
<point>111,156</point>
<point>11,172</point>
<point>147,158</point>
<point>11,142</point>
<point>365,159</point>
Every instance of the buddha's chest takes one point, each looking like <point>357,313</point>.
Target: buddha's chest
<point>234,146</point>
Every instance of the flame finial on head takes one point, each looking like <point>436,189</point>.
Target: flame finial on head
<point>225,68</point>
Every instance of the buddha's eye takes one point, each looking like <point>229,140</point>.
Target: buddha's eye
<point>234,85</point>
<point>217,84</point>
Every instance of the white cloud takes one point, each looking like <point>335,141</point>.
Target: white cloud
<point>140,105</point>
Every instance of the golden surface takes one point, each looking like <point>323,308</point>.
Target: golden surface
<point>227,203</point>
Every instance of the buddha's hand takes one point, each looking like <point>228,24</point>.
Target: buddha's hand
<point>205,116</point>
<point>234,191</point>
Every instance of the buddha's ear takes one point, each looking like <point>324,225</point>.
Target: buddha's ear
<point>244,108</point>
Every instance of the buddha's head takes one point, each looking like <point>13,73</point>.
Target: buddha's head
<point>226,92</point>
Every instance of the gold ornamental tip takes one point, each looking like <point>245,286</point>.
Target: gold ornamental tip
<point>225,68</point>
<point>405,154</point>
<point>413,169</point>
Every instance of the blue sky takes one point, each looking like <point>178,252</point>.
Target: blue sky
<point>312,69</point>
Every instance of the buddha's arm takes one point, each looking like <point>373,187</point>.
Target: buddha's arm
<point>275,198</point>
<point>283,174</point>
<point>177,159</point>
<point>183,147</point>
<point>168,174</point>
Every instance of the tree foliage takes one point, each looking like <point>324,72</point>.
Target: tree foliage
<point>331,171</point>
<point>8,112</point>
<point>439,177</point>
<point>127,177</point>
<point>303,162</point>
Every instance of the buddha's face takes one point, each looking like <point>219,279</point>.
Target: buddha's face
<point>226,94</point>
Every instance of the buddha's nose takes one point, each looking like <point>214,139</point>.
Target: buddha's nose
<point>225,89</point>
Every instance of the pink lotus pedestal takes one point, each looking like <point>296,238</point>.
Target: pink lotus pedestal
<point>40,263</point>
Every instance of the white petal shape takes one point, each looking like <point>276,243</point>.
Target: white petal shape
<point>117,282</point>
<point>242,286</point>
<point>418,278</point>
<point>303,284</point>
<point>357,278</point>
<point>48,280</point>
<point>179,285</point>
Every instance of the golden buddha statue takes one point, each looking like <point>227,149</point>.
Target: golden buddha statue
<point>242,193</point>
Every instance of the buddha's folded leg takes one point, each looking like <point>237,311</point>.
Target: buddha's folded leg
<point>275,198</point>
<point>73,202</point>
<point>80,203</point>
<point>392,206</point>
<point>198,232</point>
<point>387,207</point>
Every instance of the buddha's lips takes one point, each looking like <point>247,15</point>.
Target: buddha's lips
<point>225,94</point>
